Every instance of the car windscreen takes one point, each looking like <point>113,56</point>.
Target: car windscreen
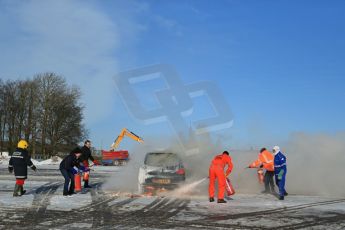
<point>162,159</point>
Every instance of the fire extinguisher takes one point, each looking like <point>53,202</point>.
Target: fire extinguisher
<point>86,176</point>
<point>77,182</point>
<point>229,188</point>
<point>261,176</point>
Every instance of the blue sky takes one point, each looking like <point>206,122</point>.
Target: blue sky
<point>279,64</point>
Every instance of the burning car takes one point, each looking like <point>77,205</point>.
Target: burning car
<point>161,171</point>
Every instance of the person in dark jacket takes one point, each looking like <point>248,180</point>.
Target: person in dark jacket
<point>19,162</point>
<point>70,166</point>
<point>85,157</point>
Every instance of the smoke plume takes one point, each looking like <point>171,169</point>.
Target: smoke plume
<point>315,165</point>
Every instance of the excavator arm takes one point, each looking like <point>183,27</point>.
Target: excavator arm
<point>124,133</point>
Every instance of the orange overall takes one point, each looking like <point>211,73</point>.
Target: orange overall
<point>265,159</point>
<point>217,171</point>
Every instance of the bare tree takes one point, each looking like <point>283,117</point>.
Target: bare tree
<point>45,111</point>
<point>65,117</point>
<point>10,108</point>
<point>2,115</point>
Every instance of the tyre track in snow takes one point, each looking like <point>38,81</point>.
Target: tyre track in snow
<point>322,221</point>
<point>38,212</point>
<point>96,213</point>
<point>139,217</point>
<point>103,213</point>
<point>274,214</point>
<point>154,215</point>
<point>29,218</point>
<point>41,201</point>
<point>99,212</point>
<point>63,219</point>
<point>174,208</point>
<point>274,211</point>
<point>10,217</point>
<point>157,214</point>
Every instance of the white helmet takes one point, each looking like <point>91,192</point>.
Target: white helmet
<point>276,149</point>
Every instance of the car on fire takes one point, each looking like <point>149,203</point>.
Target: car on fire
<point>161,171</point>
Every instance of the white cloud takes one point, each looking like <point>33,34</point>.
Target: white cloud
<point>76,39</point>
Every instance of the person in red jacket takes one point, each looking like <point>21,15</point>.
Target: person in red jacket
<point>217,171</point>
<point>265,160</point>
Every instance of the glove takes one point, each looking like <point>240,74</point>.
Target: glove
<point>95,162</point>
<point>10,169</point>
<point>82,168</point>
<point>33,167</point>
<point>74,170</point>
<point>280,175</point>
<point>261,166</point>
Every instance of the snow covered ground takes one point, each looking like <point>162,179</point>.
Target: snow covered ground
<point>4,159</point>
<point>44,207</point>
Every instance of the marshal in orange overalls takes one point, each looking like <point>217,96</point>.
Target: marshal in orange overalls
<point>217,171</point>
<point>265,160</point>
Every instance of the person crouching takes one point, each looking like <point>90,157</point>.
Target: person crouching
<point>69,166</point>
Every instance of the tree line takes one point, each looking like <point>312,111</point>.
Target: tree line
<point>43,110</point>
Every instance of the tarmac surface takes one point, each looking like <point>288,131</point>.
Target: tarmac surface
<point>44,207</point>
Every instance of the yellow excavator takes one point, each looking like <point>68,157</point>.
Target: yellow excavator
<point>125,132</point>
<point>120,157</point>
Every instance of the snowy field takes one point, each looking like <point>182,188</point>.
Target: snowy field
<point>44,207</point>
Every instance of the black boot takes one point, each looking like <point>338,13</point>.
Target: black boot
<point>281,198</point>
<point>86,184</point>
<point>16,191</point>
<point>285,193</point>
<point>71,192</point>
<point>221,201</point>
<point>211,199</point>
<point>22,191</point>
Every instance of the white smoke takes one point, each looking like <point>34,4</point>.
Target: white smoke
<point>316,164</point>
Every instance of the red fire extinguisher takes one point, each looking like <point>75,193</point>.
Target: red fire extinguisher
<point>261,176</point>
<point>86,176</point>
<point>77,182</point>
<point>229,188</point>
